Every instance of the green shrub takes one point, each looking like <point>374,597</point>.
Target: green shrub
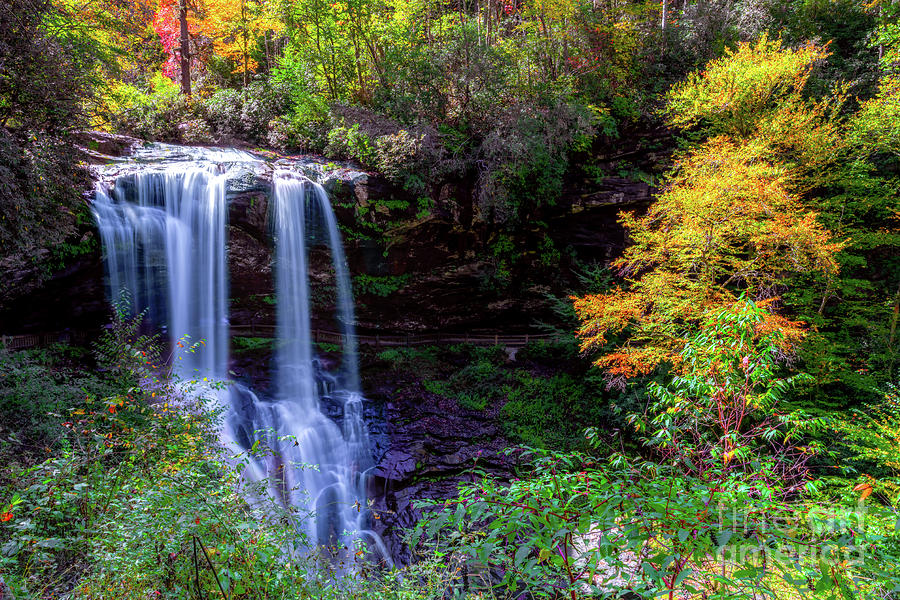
<point>297,132</point>
<point>326,347</point>
<point>250,344</point>
<point>381,286</point>
<point>550,411</point>
<point>38,178</point>
<point>350,142</point>
<point>549,352</point>
<point>247,114</point>
<point>195,131</point>
<point>37,390</point>
<point>153,114</point>
<point>400,158</point>
<point>224,110</point>
<point>576,526</point>
<point>477,385</point>
<point>525,157</point>
<point>422,360</point>
<point>496,355</point>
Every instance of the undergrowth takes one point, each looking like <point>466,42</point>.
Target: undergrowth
<point>134,497</point>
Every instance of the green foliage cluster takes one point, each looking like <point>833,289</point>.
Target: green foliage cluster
<point>551,412</point>
<point>871,434</point>
<point>37,389</point>
<point>241,343</point>
<point>712,506</point>
<point>478,385</point>
<point>378,285</point>
<point>401,156</point>
<point>40,204</point>
<point>160,112</point>
<point>526,156</point>
<point>538,402</point>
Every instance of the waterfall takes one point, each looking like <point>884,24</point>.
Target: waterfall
<point>163,234</point>
<point>335,491</point>
<point>164,237</point>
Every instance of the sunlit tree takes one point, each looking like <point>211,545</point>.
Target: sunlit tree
<point>731,219</point>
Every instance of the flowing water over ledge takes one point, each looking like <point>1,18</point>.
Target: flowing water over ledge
<point>162,221</point>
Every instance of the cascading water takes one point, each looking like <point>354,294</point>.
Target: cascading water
<point>163,232</point>
<point>330,481</point>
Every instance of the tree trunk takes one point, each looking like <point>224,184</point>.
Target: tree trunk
<point>185,49</point>
<point>245,34</point>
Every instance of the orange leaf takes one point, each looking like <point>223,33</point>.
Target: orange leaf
<point>866,490</point>
<point>5,517</point>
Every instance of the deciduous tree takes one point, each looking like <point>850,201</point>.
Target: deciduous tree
<point>731,219</point>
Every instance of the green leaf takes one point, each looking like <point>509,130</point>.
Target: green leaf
<point>522,553</point>
<point>825,583</point>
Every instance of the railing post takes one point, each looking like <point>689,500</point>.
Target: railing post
<point>377,341</point>
<point>496,339</point>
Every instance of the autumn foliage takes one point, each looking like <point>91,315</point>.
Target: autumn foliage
<point>731,219</point>
<point>165,23</point>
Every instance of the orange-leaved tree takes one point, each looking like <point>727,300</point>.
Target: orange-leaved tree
<point>235,28</point>
<point>732,218</point>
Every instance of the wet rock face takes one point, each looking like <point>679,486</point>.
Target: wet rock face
<point>424,445</point>
<point>99,147</point>
<point>73,298</point>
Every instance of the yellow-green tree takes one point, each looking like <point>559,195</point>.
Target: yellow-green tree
<point>732,218</point>
<point>235,26</point>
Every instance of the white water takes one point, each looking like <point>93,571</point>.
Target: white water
<point>336,491</point>
<point>163,234</point>
<point>164,237</point>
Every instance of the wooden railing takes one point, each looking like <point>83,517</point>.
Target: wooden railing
<point>408,339</point>
<point>387,340</point>
<point>23,342</point>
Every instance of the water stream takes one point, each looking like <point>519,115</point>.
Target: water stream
<point>163,229</point>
